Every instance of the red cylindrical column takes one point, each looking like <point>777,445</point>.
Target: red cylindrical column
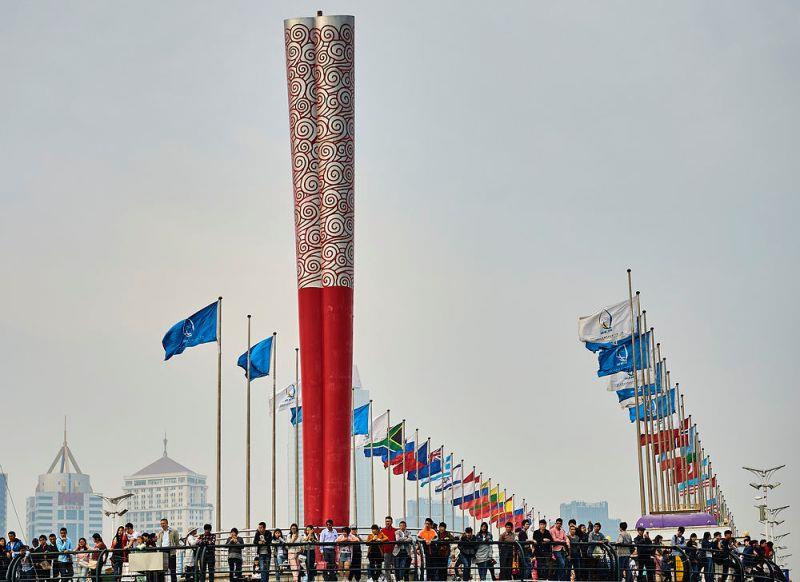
<point>298,35</point>
<point>333,78</point>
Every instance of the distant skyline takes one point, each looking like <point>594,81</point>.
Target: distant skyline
<point>512,161</point>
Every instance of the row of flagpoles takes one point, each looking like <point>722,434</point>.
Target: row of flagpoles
<point>402,454</point>
<point>675,473</point>
<point>405,455</point>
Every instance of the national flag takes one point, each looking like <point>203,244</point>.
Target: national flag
<point>466,494</point>
<point>432,476</point>
<point>260,358</point>
<point>286,398</point>
<point>503,510</point>
<point>664,436</point>
<point>619,358</point>
<point>297,415</point>
<point>478,495</point>
<point>451,480</point>
<point>199,328</point>
<point>609,325</point>
<point>433,466</point>
<point>391,442</point>
<point>413,460</point>
<point>376,431</point>
<point>396,458</point>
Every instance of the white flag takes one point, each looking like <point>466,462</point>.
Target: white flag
<point>624,380</point>
<point>380,427</point>
<point>610,324</point>
<point>287,398</point>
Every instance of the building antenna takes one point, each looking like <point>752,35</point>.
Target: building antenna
<point>165,443</point>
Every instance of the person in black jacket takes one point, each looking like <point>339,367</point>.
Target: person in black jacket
<point>467,548</point>
<point>262,540</point>
<point>644,555</point>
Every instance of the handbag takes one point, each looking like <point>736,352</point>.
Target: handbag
<point>45,564</point>
<point>92,564</point>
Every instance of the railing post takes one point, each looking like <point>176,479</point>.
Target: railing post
<point>612,555</point>
<point>11,573</point>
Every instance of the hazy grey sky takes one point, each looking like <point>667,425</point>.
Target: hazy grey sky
<point>513,159</point>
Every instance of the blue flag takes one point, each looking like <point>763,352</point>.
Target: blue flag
<point>200,328</point>
<point>619,358</point>
<point>660,407</point>
<point>361,420</point>
<point>260,358</point>
<point>297,415</point>
<point>628,393</point>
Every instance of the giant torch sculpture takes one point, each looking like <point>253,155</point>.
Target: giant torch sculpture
<point>319,70</point>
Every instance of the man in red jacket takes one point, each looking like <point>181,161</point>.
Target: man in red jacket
<point>388,548</point>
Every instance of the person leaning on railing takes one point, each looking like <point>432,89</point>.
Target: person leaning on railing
<point>310,552</point>
<point>206,543</point>
<point>402,552</point>
<point>467,548</point>
<point>234,545</point>
<point>294,551</point>
<point>262,540</point>
<point>375,552</point>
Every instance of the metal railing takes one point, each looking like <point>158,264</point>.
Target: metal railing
<point>453,558</point>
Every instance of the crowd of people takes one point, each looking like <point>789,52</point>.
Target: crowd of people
<point>394,554</point>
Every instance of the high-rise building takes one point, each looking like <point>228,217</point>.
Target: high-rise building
<point>64,498</point>
<point>165,488</point>
<point>3,506</point>
<point>360,470</point>
<point>583,512</point>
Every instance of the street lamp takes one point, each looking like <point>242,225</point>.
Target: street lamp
<point>115,512</point>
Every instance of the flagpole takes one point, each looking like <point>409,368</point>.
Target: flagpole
<point>274,412</point>
<point>219,415</point>
<point>372,461</point>
<point>671,425</point>
<point>480,480</point>
<point>452,497</point>
<point>666,493</point>
<point>636,401</point>
<point>680,437</point>
<point>637,347</point>
<point>247,462</point>
<point>388,460</point>
<point>353,446</point>
<point>297,435</point>
<point>430,502</point>
<point>652,478</point>
<point>659,390</point>
<point>403,440</point>
<point>416,472</point>
<point>444,466</point>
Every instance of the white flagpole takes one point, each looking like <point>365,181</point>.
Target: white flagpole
<point>296,435</point>
<point>218,507</point>
<point>430,501</point>
<point>247,461</point>
<point>274,412</point>
<point>642,504</point>
<point>372,461</point>
<point>388,459</point>
<point>403,440</point>
<point>353,445</point>
<point>416,473</point>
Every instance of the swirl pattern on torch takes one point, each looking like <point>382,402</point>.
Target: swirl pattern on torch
<point>300,66</point>
<point>335,133</point>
